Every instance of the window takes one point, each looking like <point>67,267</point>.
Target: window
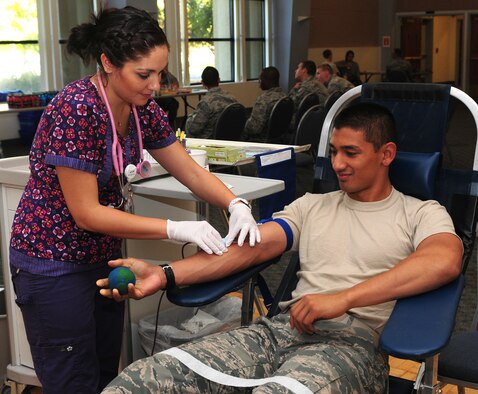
<point>19,44</point>
<point>210,38</point>
<point>230,35</point>
<point>255,38</point>
<point>161,14</point>
<point>72,13</point>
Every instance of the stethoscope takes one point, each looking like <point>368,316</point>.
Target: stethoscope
<point>143,168</point>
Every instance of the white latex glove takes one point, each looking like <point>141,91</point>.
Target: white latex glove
<point>242,222</point>
<point>201,233</point>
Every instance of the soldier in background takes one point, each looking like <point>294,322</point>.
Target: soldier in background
<point>332,81</point>
<point>201,122</point>
<point>349,69</point>
<point>256,126</point>
<point>306,83</point>
<point>399,69</point>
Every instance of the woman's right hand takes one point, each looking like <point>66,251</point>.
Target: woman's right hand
<point>201,233</point>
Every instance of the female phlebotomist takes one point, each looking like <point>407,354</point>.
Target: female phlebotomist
<point>73,212</point>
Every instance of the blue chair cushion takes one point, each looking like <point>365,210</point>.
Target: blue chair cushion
<point>415,174</point>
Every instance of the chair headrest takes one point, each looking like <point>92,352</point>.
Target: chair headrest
<point>415,173</point>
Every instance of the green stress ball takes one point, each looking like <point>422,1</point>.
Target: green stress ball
<point>119,279</point>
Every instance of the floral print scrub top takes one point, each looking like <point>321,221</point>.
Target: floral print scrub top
<point>75,131</point>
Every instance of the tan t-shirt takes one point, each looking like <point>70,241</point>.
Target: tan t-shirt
<point>342,242</point>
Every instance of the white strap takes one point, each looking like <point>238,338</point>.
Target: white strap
<point>227,380</point>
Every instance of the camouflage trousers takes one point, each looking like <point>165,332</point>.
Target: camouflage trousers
<point>342,357</point>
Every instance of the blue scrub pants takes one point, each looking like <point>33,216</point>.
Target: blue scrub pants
<point>74,333</point>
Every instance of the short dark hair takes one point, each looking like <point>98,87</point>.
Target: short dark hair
<point>327,53</point>
<point>210,76</point>
<point>269,78</point>
<point>376,122</point>
<point>310,66</point>
<point>122,34</point>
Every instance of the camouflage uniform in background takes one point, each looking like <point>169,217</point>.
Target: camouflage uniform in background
<point>340,358</point>
<point>256,126</point>
<point>340,84</point>
<point>310,85</point>
<point>201,122</point>
<point>402,65</point>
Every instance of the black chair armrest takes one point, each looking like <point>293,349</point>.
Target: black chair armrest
<point>420,326</point>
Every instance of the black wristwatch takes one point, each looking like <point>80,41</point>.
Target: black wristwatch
<point>170,279</point>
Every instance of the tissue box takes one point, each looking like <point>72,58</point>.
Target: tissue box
<point>228,154</point>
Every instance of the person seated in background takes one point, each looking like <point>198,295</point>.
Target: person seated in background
<point>169,83</point>
<point>331,81</point>
<point>327,54</point>
<point>256,126</point>
<point>349,69</point>
<point>380,245</point>
<point>399,69</point>
<point>201,122</point>
<point>306,83</point>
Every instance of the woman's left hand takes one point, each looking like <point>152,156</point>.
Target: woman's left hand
<point>242,223</point>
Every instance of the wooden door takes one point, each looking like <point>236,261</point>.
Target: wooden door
<point>411,41</point>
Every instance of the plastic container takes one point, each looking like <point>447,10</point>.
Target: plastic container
<point>28,125</point>
<point>200,157</point>
<point>178,325</point>
<point>4,94</point>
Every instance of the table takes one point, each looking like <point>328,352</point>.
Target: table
<point>251,149</point>
<point>246,187</point>
<point>370,74</point>
<point>183,94</point>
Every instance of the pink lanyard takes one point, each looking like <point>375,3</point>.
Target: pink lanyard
<point>116,149</point>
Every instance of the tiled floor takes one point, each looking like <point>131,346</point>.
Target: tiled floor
<point>407,369</point>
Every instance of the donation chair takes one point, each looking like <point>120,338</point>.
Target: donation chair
<point>420,326</point>
<point>230,123</point>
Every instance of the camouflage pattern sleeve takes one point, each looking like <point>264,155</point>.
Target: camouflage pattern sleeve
<point>256,126</point>
<point>256,123</point>
<point>197,124</point>
<point>339,84</point>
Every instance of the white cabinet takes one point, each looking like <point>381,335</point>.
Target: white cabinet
<point>13,178</point>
